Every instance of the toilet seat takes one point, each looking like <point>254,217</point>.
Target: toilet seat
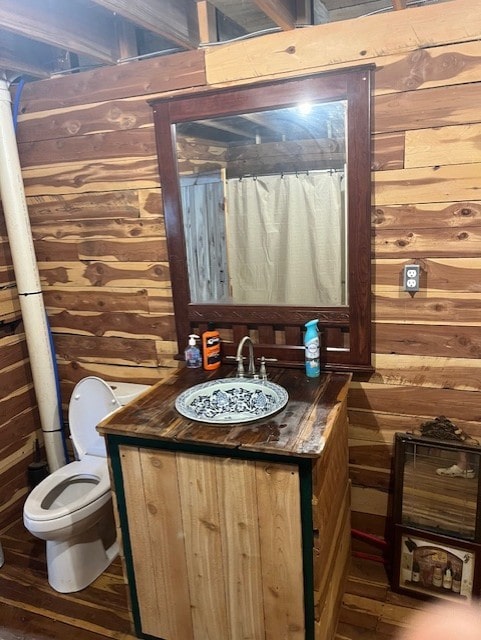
<point>90,469</point>
<point>92,399</point>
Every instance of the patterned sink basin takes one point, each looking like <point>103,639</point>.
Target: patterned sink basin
<point>231,400</point>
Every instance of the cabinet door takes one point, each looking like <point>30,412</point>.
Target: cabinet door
<point>216,546</point>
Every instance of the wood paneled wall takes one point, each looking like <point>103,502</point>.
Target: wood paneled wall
<point>88,155</point>
<point>19,419</point>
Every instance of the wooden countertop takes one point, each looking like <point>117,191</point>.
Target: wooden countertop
<point>300,429</point>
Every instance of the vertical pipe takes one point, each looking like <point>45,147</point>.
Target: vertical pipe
<point>28,285</point>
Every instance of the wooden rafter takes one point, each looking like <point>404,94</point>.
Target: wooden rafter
<point>279,12</point>
<point>245,14</point>
<point>104,32</point>
<point>62,25</point>
<point>24,57</point>
<point>207,21</point>
<point>175,20</point>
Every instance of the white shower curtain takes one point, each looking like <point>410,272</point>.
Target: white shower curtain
<point>285,235</point>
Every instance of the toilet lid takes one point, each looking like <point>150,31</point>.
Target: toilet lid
<point>92,400</point>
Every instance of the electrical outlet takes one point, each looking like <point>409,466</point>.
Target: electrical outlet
<point>411,277</point>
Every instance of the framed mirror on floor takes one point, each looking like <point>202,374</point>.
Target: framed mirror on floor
<point>436,518</point>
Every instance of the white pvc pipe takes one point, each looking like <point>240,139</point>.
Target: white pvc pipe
<point>28,284</point>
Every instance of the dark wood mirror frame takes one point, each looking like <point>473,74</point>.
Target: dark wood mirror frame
<point>278,329</point>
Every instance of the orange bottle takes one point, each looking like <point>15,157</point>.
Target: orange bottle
<point>211,348</point>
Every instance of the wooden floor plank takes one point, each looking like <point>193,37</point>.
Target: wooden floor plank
<point>351,632</point>
<point>31,610</point>
<point>18,624</point>
<point>370,610</point>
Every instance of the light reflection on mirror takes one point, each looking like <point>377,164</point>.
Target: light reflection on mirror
<point>264,207</point>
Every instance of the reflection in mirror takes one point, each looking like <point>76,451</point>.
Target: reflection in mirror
<point>264,206</point>
<point>435,500</point>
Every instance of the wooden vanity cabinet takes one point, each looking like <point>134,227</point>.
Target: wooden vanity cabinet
<point>234,542</point>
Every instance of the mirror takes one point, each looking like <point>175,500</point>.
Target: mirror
<point>436,519</point>
<point>263,206</point>
<point>266,192</point>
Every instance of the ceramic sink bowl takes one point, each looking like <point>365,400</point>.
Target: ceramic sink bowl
<point>231,400</point>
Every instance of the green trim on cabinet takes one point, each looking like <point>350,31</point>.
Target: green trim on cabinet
<point>113,444</point>
<point>305,477</point>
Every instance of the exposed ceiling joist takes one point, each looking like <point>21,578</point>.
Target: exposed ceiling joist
<point>207,21</point>
<point>41,38</point>
<point>60,24</point>
<point>25,56</point>
<point>175,20</point>
<point>21,68</point>
<point>244,14</point>
<point>279,11</point>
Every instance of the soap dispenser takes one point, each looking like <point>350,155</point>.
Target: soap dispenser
<point>313,350</point>
<point>211,358</point>
<point>192,355</point>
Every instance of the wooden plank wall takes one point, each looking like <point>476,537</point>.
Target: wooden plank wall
<point>93,195</point>
<point>88,156</point>
<point>19,420</point>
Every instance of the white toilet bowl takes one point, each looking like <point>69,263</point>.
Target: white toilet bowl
<point>72,508</point>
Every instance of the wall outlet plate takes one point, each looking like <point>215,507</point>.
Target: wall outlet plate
<point>411,277</point>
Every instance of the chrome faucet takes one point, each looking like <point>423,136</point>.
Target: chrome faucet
<point>239,358</point>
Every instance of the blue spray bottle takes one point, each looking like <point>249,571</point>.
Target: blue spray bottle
<point>313,349</point>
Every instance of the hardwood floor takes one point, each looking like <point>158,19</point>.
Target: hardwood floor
<point>370,609</point>
<point>31,610</point>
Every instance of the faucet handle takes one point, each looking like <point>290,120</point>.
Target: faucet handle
<point>262,367</point>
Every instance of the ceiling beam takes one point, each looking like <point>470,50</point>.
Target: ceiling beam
<point>12,67</point>
<point>63,25</point>
<point>175,20</point>
<point>206,14</point>
<point>279,12</point>
<point>24,57</point>
<point>311,12</point>
<point>245,14</point>
<point>126,38</point>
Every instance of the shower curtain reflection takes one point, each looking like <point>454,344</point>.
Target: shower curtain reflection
<point>204,228</point>
<point>286,239</point>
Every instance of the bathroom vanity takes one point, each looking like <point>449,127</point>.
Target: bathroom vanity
<point>237,531</point>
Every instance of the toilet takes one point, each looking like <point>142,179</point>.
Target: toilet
<point>72,508</point>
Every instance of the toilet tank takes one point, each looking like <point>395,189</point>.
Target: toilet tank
<point>127,391</point>
<point>92,400</point>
